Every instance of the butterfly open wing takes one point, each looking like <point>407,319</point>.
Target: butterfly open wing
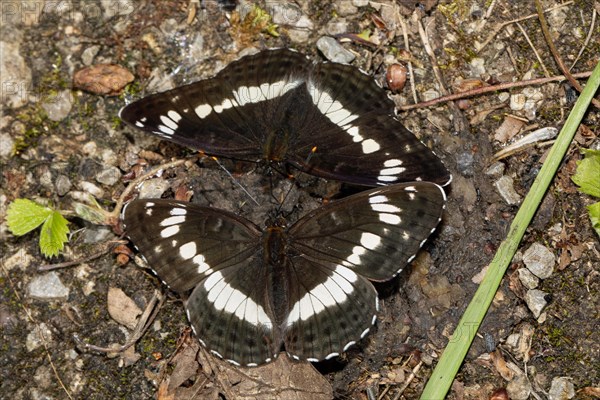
<point>278,106</point>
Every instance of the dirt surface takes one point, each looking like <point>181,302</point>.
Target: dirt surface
<point>58,143</point>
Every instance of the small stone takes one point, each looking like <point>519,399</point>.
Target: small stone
<point>495,170</point>
<point>506,189</point>
<point>7,145</point>
<point>430,94</point>
<point>109,157</point>
<point>58,107</point>
<point>90,149</point>
<point>536,301</point>
<point>517,101</point>
<point>96,234</point>
<point>345,8</point>
<point>109,176</point>
<point>20,259</point>
<point>88,55</point>
<point>16,75</point>
<point>539,260</point>
<point>47,287</point>
<point>153,188</point>
<point>91,189</point>
<point>464,163</point>
<point>62,184</point>
<point>519,388</point>
<point>360,3</point>
<point>529,280</point>
<point>336,27</point>
<point>40,334</point>
<point>334,51</point>
<point>477,67</point>
<point>561,389</point>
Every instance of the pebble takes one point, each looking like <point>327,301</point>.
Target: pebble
<point>561,388</point>
<point>16,75</point>
<point>109,157</point>
<point>298,24</point>
<point>62,184</point>
<point>539,260</point>
<point>464,163</point>
<point>495,170</point>
<point>345,8</point>
<point>517,101</point>
<point>360,3</point>
<point>536,301</point>
<point>519,388</point>
<point>477,67</point>
<point>529,280</point>
<point>336,27</point>
<point>334,51</point>
<point>47,287</point>
<point>96,234</point>
<point>430,94</point>
<point>91,189</point>
<point>153,188</point>
<point>40,334</point>
<point>88,55</point>
<point>20,259</point>
<point>109,176</point>
<point>6,146</point>
<point>58,107</point>
<point>506,189</point>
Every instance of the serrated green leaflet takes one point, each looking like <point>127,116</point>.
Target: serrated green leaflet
<point>594,211</point>
<point>24,215</point>
<point>587,176</point>
<point>54,234</point>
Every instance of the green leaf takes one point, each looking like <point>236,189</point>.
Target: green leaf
<point>54,234</point>
<point>587,176</point>
<point>594,211</point>
<point>24,215</point>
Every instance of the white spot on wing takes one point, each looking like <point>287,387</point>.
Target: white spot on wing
<point>166,130</point>
<point>200,261</point>
<point>172,220</point>
<point>188,250</point>
<point>169,231</point>
<point>392,163</point>
<point>370,240</point>
<point>392,219</point>
<point>174,115</point>
<point>203,110</point>
<point>178,211</point>
<point>392,171</point>
<point>168,122</point>
<point>370,146</point>
<point>387,208</point>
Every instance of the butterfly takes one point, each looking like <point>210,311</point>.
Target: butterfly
<point>326,119</point>
<point>304,289</point>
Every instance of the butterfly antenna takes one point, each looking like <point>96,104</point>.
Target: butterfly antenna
<point>235,180</point>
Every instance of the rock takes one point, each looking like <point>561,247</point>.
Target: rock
<point>561,389</point>
<point>517,101</point>
<point>16,75</point>
<point>153,188</point>
<point>297,23</point>
<point>345,8</point>
<point>109,176</point>
<point>360,3</point>
<point>58,107</point>
<point>92,189</point>
<point>7,145</point>
<point>62,184</point>
<point>519,388</point>
<point>539,260</point>
<point>495,170</point>
<point>333,51</point>
<point>506,189</point>
<point>47,287</point>
<point>477,67</point>
<point>528,280</point>
<point>40,334</point>
<point>88,55</point>
<point>464,163</point>
<point>536,301</point>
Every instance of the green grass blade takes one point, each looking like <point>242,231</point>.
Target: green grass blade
<point>454,354</point>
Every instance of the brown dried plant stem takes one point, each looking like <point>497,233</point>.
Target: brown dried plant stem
<point>488,89</point>
<point>557,58</point>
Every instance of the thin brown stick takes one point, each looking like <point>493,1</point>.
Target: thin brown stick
<point>557,58</point>
<point>146,319</point>
<point>34,321</point>
<point>494,34</point>
<point>402,21</point>
<point>537,55</point>
<point>107,246</point>
<point>487,89</point>
<point>587,39</point>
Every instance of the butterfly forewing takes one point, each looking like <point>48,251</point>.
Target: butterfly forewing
<point>330,120</point>
<point>185,243</point>
<point>374,233</point>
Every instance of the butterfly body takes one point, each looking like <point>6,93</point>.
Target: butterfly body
<point>303,288</point>
<point>327,119</point>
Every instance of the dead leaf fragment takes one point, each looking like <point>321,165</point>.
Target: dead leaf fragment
<point>106,79</point>
<point>509,128</point>
<point>122,308</point>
